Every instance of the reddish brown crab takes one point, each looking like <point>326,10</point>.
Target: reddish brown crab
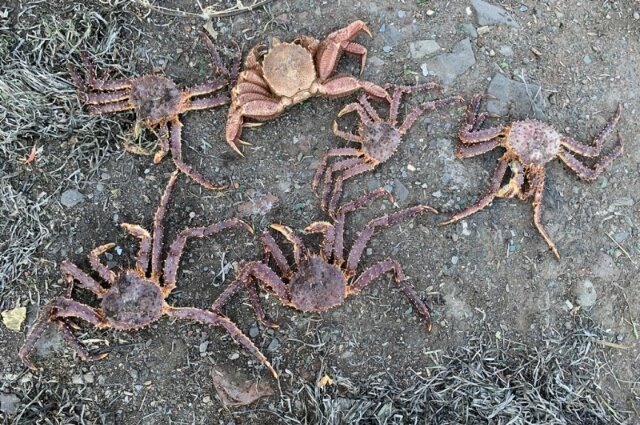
<point>290,73</point>
<point>529,145</point>
<point>135,298</point>
<point>157,102</point>
<point>378,139</point>
<point>322,281</point>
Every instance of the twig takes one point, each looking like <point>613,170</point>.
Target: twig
<point>621,248</point>
<point>207,12</point>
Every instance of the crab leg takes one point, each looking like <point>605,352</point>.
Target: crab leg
<point>494,186</point>
<point>367,116</point>
<point>272,249</point>
<point>75,344</point>
<point>383,267</point>
<point>103,271</point>
<point>54,311</point>
<point>213,319</point>
<point>124,105</point>
<point>206,103</point>
<point>163,139</point>
<point>347,174</point>
<point>592,151</point>
<point>344,85</point>
<point>397,96</point>
<point>469,151</point>
<point>142,260</point>
<point>469,133</point>
<point>175,249</point>
<point>299,250</point>
<point>345,135</point>
<point>367,232</point>
<point>428,106</point>
<point>158,227</point>
<point>323,162</point>
<point>205,88</point>
<point>328,232</point>
<point>253,298</point>
<point>70,272</point>
<point>332,46</point>
<point>538,183</point>
<point>104,84</point>
<point>257,307</point>
<point>176,152</point>
<point>328,177</point>
<point>591,173</point>
<point>350,207</point>
<point>108,97</point>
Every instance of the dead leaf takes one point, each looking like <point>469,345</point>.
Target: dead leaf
<point>13,319</point>
<point>234,390</point>
<point>324,381</point>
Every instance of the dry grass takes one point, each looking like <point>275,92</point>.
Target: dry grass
<point>40,113</point>
<point>487,381</point>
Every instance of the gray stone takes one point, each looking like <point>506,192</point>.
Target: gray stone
<point>514,99</point>
<point>449,66</point>
<point>422,48</point>
<point>387,49</point>
<point>375,61</point>
<point>488,14</point>
<point>9,404</point>
<point>273,345</point>
<point>585,294</point>
<point>400,191</point>
<point>506,51</point>
<point>71,198</point>
<point>586,59</point>
<point>392,36</point>
<point>254,332</point>
<point>470,29</point>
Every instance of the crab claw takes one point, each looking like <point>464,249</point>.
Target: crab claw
<point>339,41</point>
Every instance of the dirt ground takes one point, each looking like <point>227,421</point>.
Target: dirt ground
<point>490,274</point>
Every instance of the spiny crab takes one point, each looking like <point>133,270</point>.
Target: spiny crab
<point>157,102</point>
<point>135,297</point>
<point>378,139</point>
<point>529,145</point>
<point>289,73</point>
<point>322,281</point>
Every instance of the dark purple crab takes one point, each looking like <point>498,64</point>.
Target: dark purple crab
<point>378,139</point>
<point>135,298</point>
<point>530,145</point>
<point>157,102</point>
<point>322,281</point>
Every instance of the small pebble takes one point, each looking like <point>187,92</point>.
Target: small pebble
<point>234,356</point>
<point>454,260</point>
<point>273,345</point>
<point>203,347</point>
<point>401,13</point>
<point>386,49</point>
<point>70,198</point>
<point>254,331</point>
<point>636,15</point>
<point>586,59</point>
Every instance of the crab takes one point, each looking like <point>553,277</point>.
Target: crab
<point>323,280</point>
<point>378,139</point>
<point>135,298</point>
<point>529,144</point>
<point>157,102</point>
<point>290,73</point>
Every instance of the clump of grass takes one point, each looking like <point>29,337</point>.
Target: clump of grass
<point>487,381</point>
<point>40,112</point>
